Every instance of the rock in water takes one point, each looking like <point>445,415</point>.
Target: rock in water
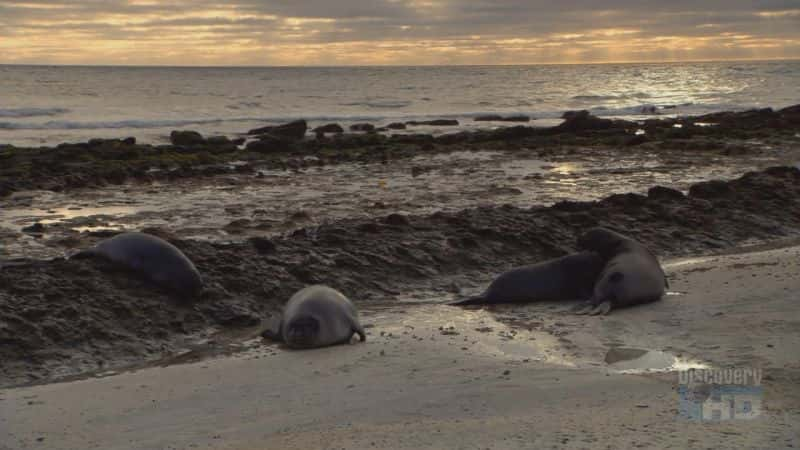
<point>295,130</point>
<point>329,128</point>
<point>186,138</point>
<point>267,143</point>
<point>437,122</point>
<point>362,127</point>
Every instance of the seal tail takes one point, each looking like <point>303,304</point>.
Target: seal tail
<point>477,300</point>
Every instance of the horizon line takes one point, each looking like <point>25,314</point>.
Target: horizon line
<point>312,66</point>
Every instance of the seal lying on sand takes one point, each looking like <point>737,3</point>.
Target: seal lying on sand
<point>631,275</point>
<point>153,257</point>
<point>317,316</point>
<point>570,277</point>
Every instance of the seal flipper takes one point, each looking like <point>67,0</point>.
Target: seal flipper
<point>477,300</point>
<point>603,308</point>
<point>274,329</point>
<point>361,334</point>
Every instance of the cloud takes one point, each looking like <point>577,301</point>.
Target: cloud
<point>327,32</point>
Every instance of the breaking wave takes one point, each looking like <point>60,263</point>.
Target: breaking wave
<point>32,112</point>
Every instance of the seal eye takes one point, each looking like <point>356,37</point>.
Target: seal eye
<point>616,277</point>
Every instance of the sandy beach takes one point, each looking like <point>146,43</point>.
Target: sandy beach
<point>501,377</point>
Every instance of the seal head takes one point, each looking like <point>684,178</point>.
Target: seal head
<point>316,316</point>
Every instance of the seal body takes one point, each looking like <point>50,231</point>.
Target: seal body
<point>631,275</point>
<point>154,258</point>
<point>318,316</point>
<point>570,277</point>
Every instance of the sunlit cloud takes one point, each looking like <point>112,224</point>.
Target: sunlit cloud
<point>354,32</point>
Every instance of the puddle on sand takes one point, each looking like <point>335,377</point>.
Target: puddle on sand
<point>636,360</point>
<point>475,331</point>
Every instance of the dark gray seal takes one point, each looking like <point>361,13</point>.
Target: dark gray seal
<point>570,277</point>
<point>317,316</point>
<point>154,258</point>
<point>631,275</point>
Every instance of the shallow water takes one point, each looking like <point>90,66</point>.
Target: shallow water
<point>635,360</point>
<point>233,207</point>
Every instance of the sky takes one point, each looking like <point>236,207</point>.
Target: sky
<point>399,32</point>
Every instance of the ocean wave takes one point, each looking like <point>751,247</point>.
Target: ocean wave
<point>601,98</point>
<point>595,98</point>
<point>466,117</point>
<point>31,112</point>
<point>70,125</point>
<point>637,110</point>
<point>144,124</point>
<point>381,104</point>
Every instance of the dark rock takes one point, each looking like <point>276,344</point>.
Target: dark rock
<point>583,120</point>
<point>458,138</point>
<point>36,228</point>
<point>186,138</point>
<point>362,127</point>
<point>295,130</point>
<point>97,142</point>
<point>710,189</point>
<point>368,227</point>
<point>626,200</point>
<point>636,139</point>
<point>664,193</point>
<point>436,122</point>
<point>396,126</point>
<point>397,220</point>
<point>263,245</point>
<point>238,224</point>
<point>221,144</point>
<point>268,143</point>
<point>790,111</point>
<point>329,128</point>
<point>489,118</point>
<point>412,138</point>
<point>238,141</point>
<point>129,141</point>
<point>218,140</point>
<point>517,118</point>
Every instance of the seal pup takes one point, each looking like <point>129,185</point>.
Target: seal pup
<point>316,316</point>
<point>570,277</point>
<point>631,275</point>
<point>154,258</point>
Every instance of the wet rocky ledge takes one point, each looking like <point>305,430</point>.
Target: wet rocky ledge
<point>60,318</point>
<point>101,162</point>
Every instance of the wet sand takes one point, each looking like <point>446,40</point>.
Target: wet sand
<point>433,376</point>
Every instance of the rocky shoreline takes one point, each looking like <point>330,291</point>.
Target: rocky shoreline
<point>60,318</point>
<point>101,162</point>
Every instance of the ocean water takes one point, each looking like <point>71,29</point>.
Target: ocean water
<point>42,105</point>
